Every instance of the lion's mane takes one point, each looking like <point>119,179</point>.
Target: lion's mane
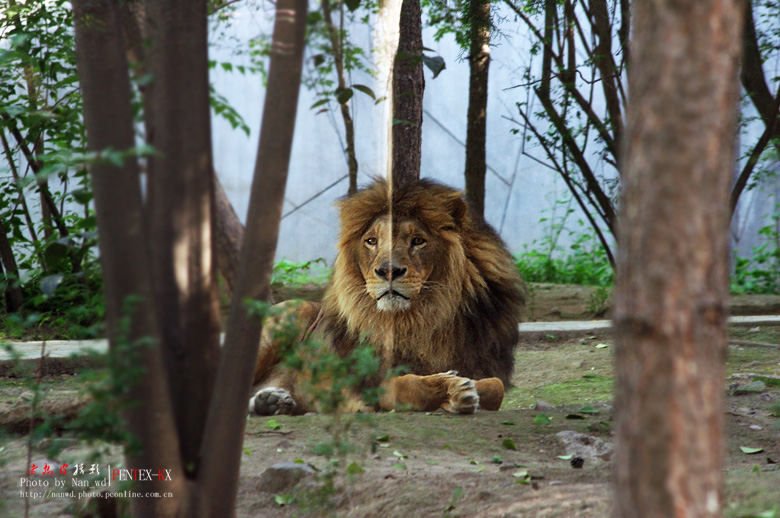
<point>465,318</point>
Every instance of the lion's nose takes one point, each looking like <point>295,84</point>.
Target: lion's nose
<point>395,272</point>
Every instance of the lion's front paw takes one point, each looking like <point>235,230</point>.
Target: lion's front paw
<point>272,401</point>
<point>462,397</point>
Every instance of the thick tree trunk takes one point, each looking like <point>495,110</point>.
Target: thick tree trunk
<point>670,306</point>
<point>13,290</point>
<point>479,61</point>
<point>228,229</point>
<point>181,207</point>
<point>408,87</point>
<point>123,248</point>
<point>229,234</point>
<point>221,451</point>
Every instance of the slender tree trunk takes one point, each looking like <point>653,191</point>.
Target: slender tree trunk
<point>123,248</point>
<point>181,213</point>
<point>221,450</point>
<point>476,127</point>
<point>349,125</point>
<point>13,290</point>
<point>408,87</point>
<point>670,307</point>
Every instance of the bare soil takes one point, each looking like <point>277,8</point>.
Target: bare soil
<point>556,302</point>
<point>436,464</point>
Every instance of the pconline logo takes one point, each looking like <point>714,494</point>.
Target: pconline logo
<point>141,475</point>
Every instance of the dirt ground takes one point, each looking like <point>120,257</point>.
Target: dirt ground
<point>509,463</point>
<point>556,302</point>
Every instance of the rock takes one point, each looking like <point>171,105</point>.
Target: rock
<point>756,427</point>
<point>767,396</point>
<point>283,476</point>
<point>754,387</point>
<point>585,446</point>
<point>543,406</point>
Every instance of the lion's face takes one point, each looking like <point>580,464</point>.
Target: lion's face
<point>396,260</point>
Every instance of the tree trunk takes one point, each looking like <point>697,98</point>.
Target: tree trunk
<point>228,229</point>
<point>124,256</point>
<point>408,87</point>
<point>229,234</point>
<point>181,207</point>
<point>338,59</point>
<point>221,451</point>
<point>670,305</point>
<point>479,61</point>
<point>13,290</point>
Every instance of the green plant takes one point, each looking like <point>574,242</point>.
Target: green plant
<point>761,273</point>
<point>289,272</point>
<point>584,262</point>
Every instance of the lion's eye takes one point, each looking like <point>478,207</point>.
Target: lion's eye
<point>371,241</point>
<point>418,241</point>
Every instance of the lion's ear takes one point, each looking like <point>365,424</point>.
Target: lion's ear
<point>458,209</point>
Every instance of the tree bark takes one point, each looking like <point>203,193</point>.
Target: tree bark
<point>476,127</point>
<point>181,208</point>
<point>408,87</point>
<point>228,229</point>
<point>672,279</point>
<point>221,450</point>
<point>228,236</point>
<point>124,256</point>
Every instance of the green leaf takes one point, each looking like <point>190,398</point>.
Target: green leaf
<point>479,469</point>
<point>432,462</point>
<point>750,451</point>
<point>399,466</point>
<point>247,451</point>
<point>366,90</point>
<point>508,423</point>
<point>589,410</point>
<point>474,462</point>
<point>436,64</point>
<point>565,457</point>
<point>383,438</point>
<point>355,469</point>
<point>273,425</point>
<point>446,447</point>
<point>520,474</point>
<point>542,419</point>
<point>82,196</point>
<point>299,461</point>
<point>227,67</point>
<point>318,59</point>
<point>602,346</point>
<point>319,103</point>
<point>497,459</point>
<point>283,500</point>
<point>352,5</point>
<point>399,454</point>
<point>344,95</point>
<point>509,444</point>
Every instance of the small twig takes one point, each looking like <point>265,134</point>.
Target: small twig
<point>267,432</point>
<point>559,74</point>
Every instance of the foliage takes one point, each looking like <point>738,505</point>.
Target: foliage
<point>760,273</point>
<point>584,262</point>
<point>289,272</point>
<point>45,197</point>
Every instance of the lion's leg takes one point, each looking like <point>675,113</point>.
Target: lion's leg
<point>427,393</point>
<point>491,393</point>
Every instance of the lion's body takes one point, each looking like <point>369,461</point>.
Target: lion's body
<point>426,284</point>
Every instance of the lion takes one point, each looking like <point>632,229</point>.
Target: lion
<point>429,286</point>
